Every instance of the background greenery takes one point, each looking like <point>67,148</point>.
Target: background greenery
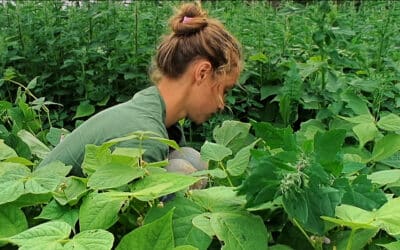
<point>318,104</point>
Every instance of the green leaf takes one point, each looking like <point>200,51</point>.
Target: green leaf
<point>232,134</point>
<point>390,122</point>
<point>47,178</point>
<point>100,210</point>
<point>157,235</point>
<point>95,157</point>
<point>32,83</point>
<point>12,179</point>
<point>185,233</point>
<point>360,239</point>
<point>35,145</point>
<point>213,151</point>
<point>84,109</point>
<point>385,177</point>
<point>54,211</point>
<point>355,102</point>
<point>119,171</point>
<point>365,132</point>
<point>240,162</point>
<point>6,151</point>
<point>327,147</point>
<point>360,192</point>
<point>388,217</point>
<point>12,221</point>
<point>276,137</point>
<point>203,223</point>
<point>186,247</point>
<point>240,231</point>
<point>156,185</point>
<point>70,190</point>
<point>91,239</point>
<point>219,199</point>
<point>360,119</point>
<point>55,135</point>
<point>391,246</point>
<point>386,147</point>
<point>43,235</point>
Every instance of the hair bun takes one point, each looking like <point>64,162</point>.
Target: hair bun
<point>190,18</point>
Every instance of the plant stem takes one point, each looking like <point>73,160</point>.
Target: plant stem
<point>226,172</point>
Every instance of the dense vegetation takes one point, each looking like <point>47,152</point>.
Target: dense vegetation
<point>306,156</point>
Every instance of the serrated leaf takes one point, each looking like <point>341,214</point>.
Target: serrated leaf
<point>157,235</point>
<point>214,152</point>
<point>119,171</point>
<point>156,185</point>
<point>276,137</point>
<point>91,239</point>
<point>327,147</point>
<point>100,210</point>
<point>390,122</point>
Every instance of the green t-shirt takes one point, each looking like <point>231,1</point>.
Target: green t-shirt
<point>144,112</point>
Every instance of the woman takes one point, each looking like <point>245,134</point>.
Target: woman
<point>195,65</point>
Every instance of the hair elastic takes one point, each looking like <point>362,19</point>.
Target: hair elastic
<point>186,19</point>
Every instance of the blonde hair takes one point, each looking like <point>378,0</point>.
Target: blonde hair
<point>195,36</point>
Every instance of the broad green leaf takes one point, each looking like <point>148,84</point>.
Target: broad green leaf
<point>391,246</point>
<point>6,151</point>
<point>240,231</point>
<point>54,211</point>
<point>55,135</point>
<point>360,192</point>
<point>386,147</point>
<point>20,160</point>
<point>47,178</point>
<point>365,132</point>
<point>42,235</point>
<point>156,185</point>
<point>12,221</point>
<point>355,102</point>
<point>390,122</point>
<point>130,152</point>
<point>95,157</point>
<point>185,233</point>
<point>91,239</point>
<point>119,171</point>
<point>385,177</point>
<point>350,224</point>
<point>215,173</point>
<point>27,200</point>
<point>12,179</point>
<point>232,134</point>
<point>308,206</point>
<point>360,119</point>
<point>170,143</point>
<point>203,223</point>
<point>240,162</point>
<point>388,217</point>
<point>276,137</point>
<point>327,147</point>
<point>214,152</point>
<point>70,190</point>
<point>100,210</point>
<point>84,109</point>
<point>157,235</point>
<point>186,247</point>
<point>360,239</point>
<point>36,146</point>
<point>354,214</point>
<point>219,199</point>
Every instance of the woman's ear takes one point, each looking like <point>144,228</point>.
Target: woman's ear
<point>203,69</point>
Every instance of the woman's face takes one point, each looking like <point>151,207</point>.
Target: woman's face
<point>209,97</point>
